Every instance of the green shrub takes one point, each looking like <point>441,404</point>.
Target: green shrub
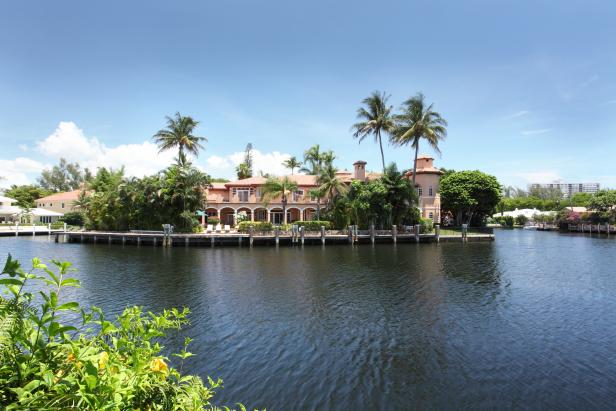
<point>213,220</point>
<point>314,225</point>
<point>57,225</point>
<point>197,229</point>
<point>73,218</point>
<point>505,221</point>
<point>521,220</point>
<point>96,363</point>
<point>427,225</point>
<point>262,226</point>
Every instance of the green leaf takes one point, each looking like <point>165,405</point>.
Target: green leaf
<point>70,282</point>
<point>11,281</point>
<point>73,306</point>
<point>11,266</point>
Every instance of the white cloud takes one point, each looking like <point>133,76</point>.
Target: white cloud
<point>270,163</point>
<point>23,147</point>
<point>545,176</point>
<point>534,132</point>
<point>517,114</point>
<point>16,171</point>
<point>69,142</point>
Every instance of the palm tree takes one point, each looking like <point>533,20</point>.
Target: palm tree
<point>279,187</point>
<point>292,163</point>
<point>418,122</point>
<point>330,183</point>
<point>313,160</point>
<point>318,194</point>
<point>179,133</point>
<point>243,171</point>
<point>377,119</point>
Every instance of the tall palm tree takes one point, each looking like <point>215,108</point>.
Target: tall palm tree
<point>313,160</point>
<point>292,163</point>
<point>179,133</point>
<point>279,187</point>
<point>318,194</point>
<point>376,119</point>
<point>331,184</point>
<point>416,122</point>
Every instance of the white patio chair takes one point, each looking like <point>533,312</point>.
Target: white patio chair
<point>218,228</point>
<point>209,228</point>
<point>227,228</point>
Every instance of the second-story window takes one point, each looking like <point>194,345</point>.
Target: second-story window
<point>430,191</point>
<point>297,194</point>
<point>243,194</point>
<point>419,191</point>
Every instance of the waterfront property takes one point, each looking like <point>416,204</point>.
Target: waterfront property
<point>63,202</point>
<point>427,185</point>
<point>11,213</point>
<point>245,197</point>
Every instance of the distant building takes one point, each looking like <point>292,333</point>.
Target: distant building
<point>10,213</point>
<point>569,189</point>
<point>427,184</point>
<point>59,202</point>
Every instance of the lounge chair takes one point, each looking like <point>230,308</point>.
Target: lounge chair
<point>227,228</point>
<point>209,228</point>
<point>218,228</point>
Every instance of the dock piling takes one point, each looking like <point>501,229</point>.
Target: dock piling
<point>394,233</point>
<point>372,233</point>
<point>416,232</point>
<point>323,234</point>
<point>437,232</point>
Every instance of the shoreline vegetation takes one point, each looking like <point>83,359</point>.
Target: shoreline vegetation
<point>89,361</point>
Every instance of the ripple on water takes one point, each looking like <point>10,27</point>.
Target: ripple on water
<point>524,322</point>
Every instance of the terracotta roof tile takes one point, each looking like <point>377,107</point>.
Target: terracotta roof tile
<point>67,196</point>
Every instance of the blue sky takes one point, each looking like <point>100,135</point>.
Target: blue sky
<point>528,87</point>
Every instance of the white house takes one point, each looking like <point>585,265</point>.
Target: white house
<point>11,213</point>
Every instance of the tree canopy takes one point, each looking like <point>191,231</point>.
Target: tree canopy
<point>469,195</point>
<point>64,176</point>
<point>26,194</point>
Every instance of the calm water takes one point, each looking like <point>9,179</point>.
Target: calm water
<point>525,322</point>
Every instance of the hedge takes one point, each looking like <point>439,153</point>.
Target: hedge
<point>313,225</point>
<point>244,226</point>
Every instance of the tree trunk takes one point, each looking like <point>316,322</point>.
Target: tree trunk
<point>284,210</point>
<point>415,164</point>
<point>381,146</point>
<point>319,208</point>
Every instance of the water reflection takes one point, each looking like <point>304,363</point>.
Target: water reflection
<point>466,326</point>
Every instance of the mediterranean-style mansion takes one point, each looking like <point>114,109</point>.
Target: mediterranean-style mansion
<point>228,200</point>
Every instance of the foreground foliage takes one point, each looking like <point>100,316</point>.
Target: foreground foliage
<point>99,364</point>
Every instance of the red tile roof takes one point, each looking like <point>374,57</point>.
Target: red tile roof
<point>66,196</point>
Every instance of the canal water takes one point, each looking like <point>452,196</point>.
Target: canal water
<point>525,322</point>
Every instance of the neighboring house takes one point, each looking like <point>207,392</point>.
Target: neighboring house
<point>11,213</point>
<point>427,184</point>
<point>59,202</point>
<point>227,200</point>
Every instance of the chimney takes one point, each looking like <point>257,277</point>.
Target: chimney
<point>360,170</point>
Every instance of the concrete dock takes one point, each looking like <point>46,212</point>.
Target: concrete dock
<point>260,239</point>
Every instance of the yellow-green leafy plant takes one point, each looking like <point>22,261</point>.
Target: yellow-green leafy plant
<point>93,363</point>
